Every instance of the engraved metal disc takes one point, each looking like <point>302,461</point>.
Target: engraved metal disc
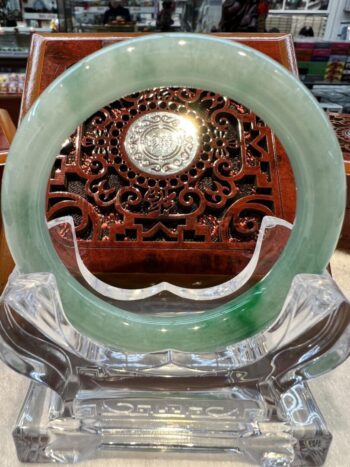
<point>161,143</point>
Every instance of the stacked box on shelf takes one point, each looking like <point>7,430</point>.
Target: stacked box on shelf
<point>323,61</point>
<point>337,61</point>
<point>335,68</point>
<point>312,59</point>
<point>11,83</point>
<point>319,59</point>
<point>340,48</point>
<point>346,72</point>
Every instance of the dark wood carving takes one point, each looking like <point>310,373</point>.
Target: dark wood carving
<point>219,198</point>
<point>51,54</point>
<point>341,125</point>
<point>217,202</point>
<point>203,220</point>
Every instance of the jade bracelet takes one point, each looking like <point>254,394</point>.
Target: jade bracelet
<point>194,61</point>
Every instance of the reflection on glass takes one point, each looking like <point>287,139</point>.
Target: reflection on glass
<point>10,13</point>
<point>276,4</point>
<point>314,5</point>
<point>296,4</point>
<point>318,5</point>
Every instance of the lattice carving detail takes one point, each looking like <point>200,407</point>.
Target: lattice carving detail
<point>220,198</point>
<point>341,125</point>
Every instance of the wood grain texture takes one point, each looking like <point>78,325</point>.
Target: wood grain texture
<point>51,54</point>
<point>341,125</point>
<point>7,132</point>
<point>7,126</point>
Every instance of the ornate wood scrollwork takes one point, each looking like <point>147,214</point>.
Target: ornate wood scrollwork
<point>218,198</point>
<point>341,125</point>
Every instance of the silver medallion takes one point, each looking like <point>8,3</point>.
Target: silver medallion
<point>161,143</point>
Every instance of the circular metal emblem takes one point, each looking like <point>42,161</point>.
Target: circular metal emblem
<point>161,142</point>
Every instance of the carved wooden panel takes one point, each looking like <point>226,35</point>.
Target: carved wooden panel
<point>219,198</point>
<point>51,54</point>
<point>217,201</point>
<point>202,218</point>
<point>341,125</point>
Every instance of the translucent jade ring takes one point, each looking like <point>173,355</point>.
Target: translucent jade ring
<point>194,61</point>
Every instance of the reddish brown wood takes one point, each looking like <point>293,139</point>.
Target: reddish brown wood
<point>7,127</point>
<point>12,103</point>
<point>129,221</point>
<point>211,252</point>
<point>51,54</point>
<point>341,124</point>
<point>213,207</point>
<point>6,134</point>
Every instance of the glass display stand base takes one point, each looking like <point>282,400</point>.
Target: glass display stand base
<point>248,401</point>
<point>262,425</point>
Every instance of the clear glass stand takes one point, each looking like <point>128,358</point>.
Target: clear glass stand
<point>266,425</point>
<point>247,401</point>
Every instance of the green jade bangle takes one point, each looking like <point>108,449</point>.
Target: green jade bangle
<point>195,61</point>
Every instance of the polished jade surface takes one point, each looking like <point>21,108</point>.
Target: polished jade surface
<point>230,69</point>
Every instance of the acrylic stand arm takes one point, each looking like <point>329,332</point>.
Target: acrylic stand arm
<point>308,338</point>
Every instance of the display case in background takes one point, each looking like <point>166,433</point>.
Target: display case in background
<point>14,48</point>
<point>305,17</point>
<point>299,17</point>
<point>321,62</point>
<point>188,15</point>
<point>18,21</point>
<point>87,16</point>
